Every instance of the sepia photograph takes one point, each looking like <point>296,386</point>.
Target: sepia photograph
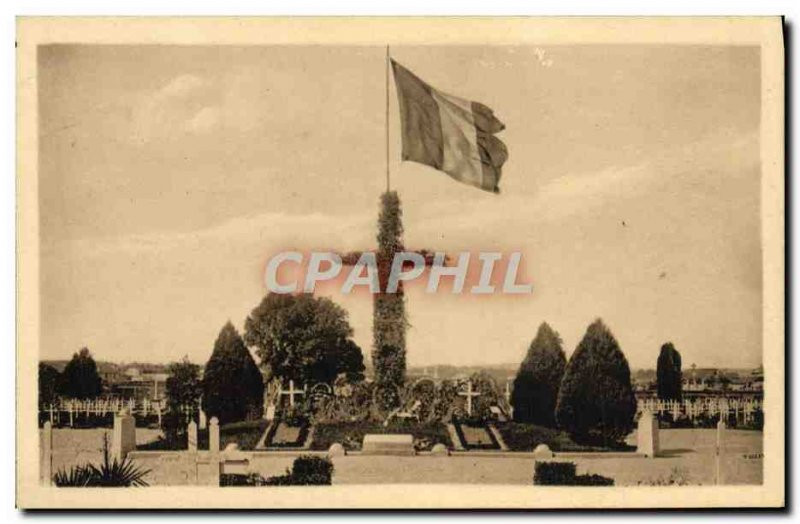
<point>404,263</point>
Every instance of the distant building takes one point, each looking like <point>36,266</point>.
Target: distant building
<point>140,386</point>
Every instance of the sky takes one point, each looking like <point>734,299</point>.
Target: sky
<point>169,175</point>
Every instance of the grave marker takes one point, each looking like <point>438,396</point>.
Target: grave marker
<point>469,393</point>
<point>291,392</point>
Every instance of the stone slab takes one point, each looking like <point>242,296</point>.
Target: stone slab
<point>380,444</point>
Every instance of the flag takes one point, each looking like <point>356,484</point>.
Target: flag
<point>449,133</point>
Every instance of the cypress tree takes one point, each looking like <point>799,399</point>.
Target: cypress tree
<point>539,377</point>
<point>233,388</point>
<point>389,322</point>
<point>668,373</point>
<point>596,402</point>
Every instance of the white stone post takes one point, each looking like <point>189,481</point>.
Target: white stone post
<point>47,461</point>
<point>124,436</point>
<point>647,435</point>
<point>213,435</point>
<point>718,452</point>
<point>203,419</point>
<point>191,433</point>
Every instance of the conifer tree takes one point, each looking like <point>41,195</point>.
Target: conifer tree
<point>668,373</point>
<point>596,402</point>
<point>539,377</point>
<point>233,388</point>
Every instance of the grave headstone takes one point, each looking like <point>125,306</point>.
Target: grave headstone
<point>191,436</point>
<point>203,419</point>
<point>124,435</point>
<point>213,435</point>
<point>647,435</point>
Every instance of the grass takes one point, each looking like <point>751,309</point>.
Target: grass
<point>351,434</point>
<point>525,437</point>
<point>246,434</point>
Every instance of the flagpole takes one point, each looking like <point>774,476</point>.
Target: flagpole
<point>387,119</point>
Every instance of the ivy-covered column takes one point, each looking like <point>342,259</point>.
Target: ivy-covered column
<point>389,322</point>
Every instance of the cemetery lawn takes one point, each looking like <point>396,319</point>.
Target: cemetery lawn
<point>525,437</point>
<point>246,433</point>
<point>351,434</point>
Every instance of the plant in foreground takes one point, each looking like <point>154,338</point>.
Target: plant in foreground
<point>110,473</point>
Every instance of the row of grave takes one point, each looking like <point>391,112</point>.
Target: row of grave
<point>746,408</point>
<point>690,408</point>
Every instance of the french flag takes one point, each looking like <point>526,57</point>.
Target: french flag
<point>449,133</point>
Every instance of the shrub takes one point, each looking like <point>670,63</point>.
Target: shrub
<point>564,474</point>
<point>593,480</point>
<point>238,479</point>
<point>307,470</point>
<point>553,473</point>
<point>312,470</point>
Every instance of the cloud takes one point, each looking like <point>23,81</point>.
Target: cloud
<point>310,231</point>
<point>186,104</point>
<point>538,52</point>
<point>180,86</point>
<point>204,121</point>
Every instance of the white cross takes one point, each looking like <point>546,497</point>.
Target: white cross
<point>469,393</point>
<point>292,392</point>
